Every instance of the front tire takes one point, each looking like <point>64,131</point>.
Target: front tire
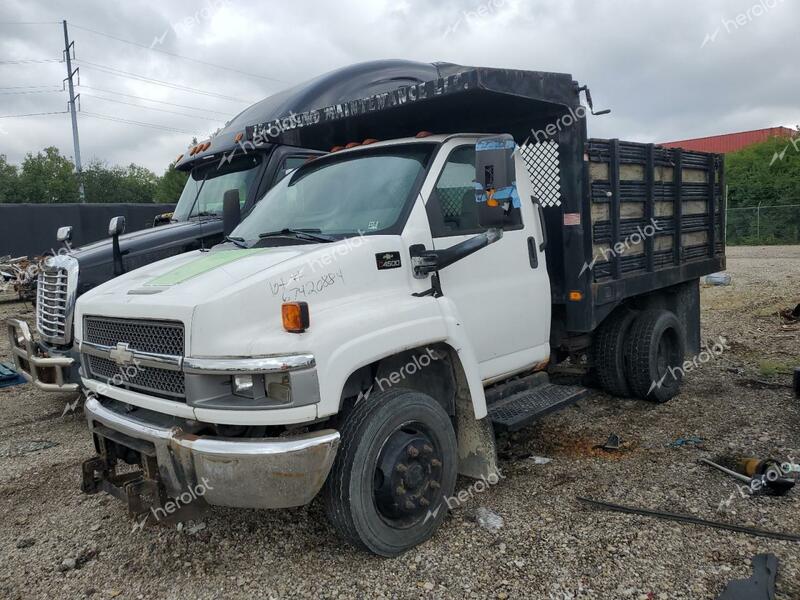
<point>396,465</point>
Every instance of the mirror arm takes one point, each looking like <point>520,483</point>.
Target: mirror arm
<point>542,225</point>
<point>425,261</point>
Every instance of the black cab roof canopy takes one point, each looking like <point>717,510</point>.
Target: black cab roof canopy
<point>467,99</point>
<point>341,85</point>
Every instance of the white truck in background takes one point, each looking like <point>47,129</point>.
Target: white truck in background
<point>389,307</point>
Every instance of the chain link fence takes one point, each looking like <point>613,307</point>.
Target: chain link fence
<point>763,225</point>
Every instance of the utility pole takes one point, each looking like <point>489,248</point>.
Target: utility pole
<point>75,141</point>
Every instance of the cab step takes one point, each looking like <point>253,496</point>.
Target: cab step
<point>523,408</point>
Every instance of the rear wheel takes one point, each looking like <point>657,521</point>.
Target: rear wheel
<point>608,351</point>
<point>396,465</point>
<point>654,355</point>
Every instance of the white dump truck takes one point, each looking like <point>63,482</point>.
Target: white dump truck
<point>390,307</point>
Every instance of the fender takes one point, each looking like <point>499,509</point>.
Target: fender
<point>430,321</point>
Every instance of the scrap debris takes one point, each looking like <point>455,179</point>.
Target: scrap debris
<point>20,274</point>
<point>777,535</point>
<point>694,441</point>
<point>718,279</point>
<point>761,586</point>
<point>9,376</point>
<point>767,476</point>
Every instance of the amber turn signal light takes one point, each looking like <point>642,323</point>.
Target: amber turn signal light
<point>295,316</point>
<point>575,296</point>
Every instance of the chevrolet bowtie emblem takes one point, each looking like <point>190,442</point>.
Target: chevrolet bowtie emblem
<point>122,354</point>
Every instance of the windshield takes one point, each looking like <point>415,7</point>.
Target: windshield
<point>364,192</point>
<point>212,182</point>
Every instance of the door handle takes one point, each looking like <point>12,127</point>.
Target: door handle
<point>532,254</point>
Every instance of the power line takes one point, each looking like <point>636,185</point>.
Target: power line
<point>25,61</point>
<point>87,87</point>
<point>131,122</point>
<point>62,112</point>
<point>30,23</point>
<point>28,87</point>
<point>32,92</point>
<point>201,62</point>
<point>137,77</point>
<point>172,112</point>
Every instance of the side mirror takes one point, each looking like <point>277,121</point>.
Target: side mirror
<point>494,164</point>
<point>231,211</point>
<point>162,219</point>
<point>64,234</point>
<point>116,226</point>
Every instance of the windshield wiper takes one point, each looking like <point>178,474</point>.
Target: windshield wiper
<point>303,234</point>
<point>239,241</point>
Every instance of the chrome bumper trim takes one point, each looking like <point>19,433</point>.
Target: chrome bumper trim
<point>259,365</point>
<point>237,472</point>
<point>32,366</point>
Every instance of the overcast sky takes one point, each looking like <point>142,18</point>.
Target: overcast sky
<point>669,70</point>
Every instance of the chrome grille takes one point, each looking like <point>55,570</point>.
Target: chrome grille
<point>52,298</point>
<point>156,337</point>
<point>158,382</point>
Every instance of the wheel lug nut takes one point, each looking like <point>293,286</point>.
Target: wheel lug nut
<point>427,448</point>
<point>410,505</point>
<point>436,462</point>
<point>401,468</point>
<point>412,451</point>
<point>424,502</point>
<point>400,490</point>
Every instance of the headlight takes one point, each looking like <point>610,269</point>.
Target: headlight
<point>243,385</point>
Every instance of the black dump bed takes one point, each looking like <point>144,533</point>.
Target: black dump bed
<point>601,198</point>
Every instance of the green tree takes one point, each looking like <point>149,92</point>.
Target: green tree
<point>765,175</point>
<point>9,181</point>
<point>48,177</point>
<point>131,184</point>
<point>170,185</point>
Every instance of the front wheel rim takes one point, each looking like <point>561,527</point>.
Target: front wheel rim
<point>408,476</point>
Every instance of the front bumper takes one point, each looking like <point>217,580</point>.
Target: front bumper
<point>48,373</point>
<point>235,472</point>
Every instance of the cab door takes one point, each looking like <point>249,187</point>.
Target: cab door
<point>502,292</point>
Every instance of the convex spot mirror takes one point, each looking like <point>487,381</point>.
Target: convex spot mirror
<point>64,234</point>
<point>116,226</point>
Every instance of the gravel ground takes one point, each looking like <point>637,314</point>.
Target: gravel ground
<point>549,546</point>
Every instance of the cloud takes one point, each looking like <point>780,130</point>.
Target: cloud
<point>643,60</point>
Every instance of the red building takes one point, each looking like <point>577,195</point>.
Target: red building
<point>731,142</point>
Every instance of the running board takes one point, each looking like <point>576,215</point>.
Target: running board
<point>523,408</point>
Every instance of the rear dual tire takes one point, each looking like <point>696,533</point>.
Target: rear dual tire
<point>640,354</point>
<point>654,355</point>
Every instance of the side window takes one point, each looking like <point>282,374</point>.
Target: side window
<point>289,164</point>
<point>452,209</point>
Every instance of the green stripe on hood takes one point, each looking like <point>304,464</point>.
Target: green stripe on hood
<point>204,264</point>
